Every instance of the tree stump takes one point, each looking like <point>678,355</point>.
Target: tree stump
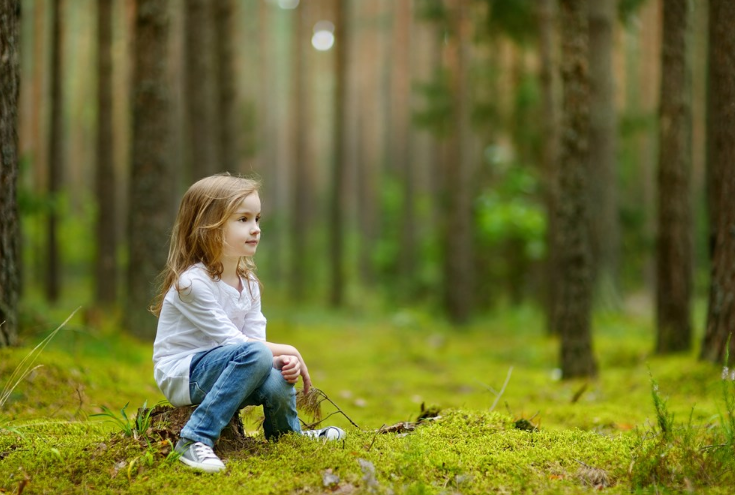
<point>167,421</point>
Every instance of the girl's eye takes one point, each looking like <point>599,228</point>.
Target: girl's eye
<point>243,219</point>
<point>257,219</point>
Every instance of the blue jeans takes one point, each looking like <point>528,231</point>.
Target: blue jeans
<point>225,379</point>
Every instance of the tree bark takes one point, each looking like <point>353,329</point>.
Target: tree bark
<point>721,157</point>
<point>573,315</point>
<point>56,159</point>
<point>674,243</point>
<point>105,262</point>
<point>9,221</point>
<point>226,90</point>
<point>337,186</point>
<point>301,184</point>
<point>548,80</point>
<point>457,231</point>
<point>201,89</point>
<point>604,228</point>
<point>401,143</point>
<point>151,195</point>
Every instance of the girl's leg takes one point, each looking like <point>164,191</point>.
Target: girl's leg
<point>278,398</point>
<point>220,381</point>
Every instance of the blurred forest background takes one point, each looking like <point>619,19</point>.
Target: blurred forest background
<point>456,156</point>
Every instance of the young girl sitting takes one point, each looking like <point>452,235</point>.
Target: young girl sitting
<point>210,346</point>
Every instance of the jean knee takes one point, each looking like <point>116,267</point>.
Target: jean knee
<point>258,354</point>
<point>277,390</point>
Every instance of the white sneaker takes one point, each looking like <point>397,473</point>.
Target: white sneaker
<point>328,433</point>
<point>198,456</point>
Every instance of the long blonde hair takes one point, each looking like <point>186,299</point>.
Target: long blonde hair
<point>197,235</point>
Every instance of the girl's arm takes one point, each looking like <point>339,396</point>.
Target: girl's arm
<point>288,359</point>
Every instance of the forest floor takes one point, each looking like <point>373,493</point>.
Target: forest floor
<point>506,421</point>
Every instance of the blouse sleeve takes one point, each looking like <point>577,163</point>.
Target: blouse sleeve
<point>255,322</point>
<point>197,302</point>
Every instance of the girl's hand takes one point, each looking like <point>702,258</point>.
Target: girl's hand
<point>290,367</point>
<point>305,375</point>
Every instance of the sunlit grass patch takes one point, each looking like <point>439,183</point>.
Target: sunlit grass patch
<point>380,371</point>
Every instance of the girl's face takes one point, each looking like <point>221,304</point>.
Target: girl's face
<point>242,230</point>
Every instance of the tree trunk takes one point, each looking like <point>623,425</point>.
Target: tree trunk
<point>151,195</point>
<point>9,222</point>
<point>302,186</point>
<point>548,80</point>
<point>402,140</point>
<point>337,193</point>
<point>674,243</point>
<point>226,90</point>
<point>200,95</point>
<point>105,263</point>
<point>573,315</point>
<point>457,233</point>
<point>602,186</point>
<point>721,157</point>
<point>55,158</point>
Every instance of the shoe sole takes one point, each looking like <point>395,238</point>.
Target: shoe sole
<point>202,467</point>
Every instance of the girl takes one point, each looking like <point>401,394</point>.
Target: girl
<point>210,346</point>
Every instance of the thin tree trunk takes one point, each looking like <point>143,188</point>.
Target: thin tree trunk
<point>201,88</point>
<point>9,221</point>
<point>546,15</point>
<point>674,244</point>
<point>721,157</point>
<point>573,315</point>
<point>337,197</point>
<point>301,185</point>
<point>457,233</point>
<point>55,159</point>
<point>151,194</point>
<point>226,93</point>
<point>105,263</point>
<point>604,228</point>
<point>402,140</point>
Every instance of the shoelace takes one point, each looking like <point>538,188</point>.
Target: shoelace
<point>204,452</point>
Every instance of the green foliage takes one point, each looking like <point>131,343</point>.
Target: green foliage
<point>663,417</point>
<point>510,228</point>
<point>511,212</point>
<point>437,110</point>
<point>682,456</point>
<point>25,367</point>
<point>627,9</point>
<point>431,10</point>
<point>136,428</point>
<point>516,19</point>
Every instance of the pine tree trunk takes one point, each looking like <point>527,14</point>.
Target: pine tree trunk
<point>9,221</point>
<point>573,314</point>
<point>546,15</point>
<point>56,159</point>
<point>337,186</point>
<point>457,234</point>
<point>151,195</point>
<point>402,139</point>
<point>301,184</point>
<point>201,88</point>
<point>721,157</point>
<point>674,244</point>
<point>105,263</point>
<point>226,90</point>
<point>604,228</point>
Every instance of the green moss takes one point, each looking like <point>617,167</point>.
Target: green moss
<point>381,373</point>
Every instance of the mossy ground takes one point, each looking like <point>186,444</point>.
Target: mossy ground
<point>380,371</point>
